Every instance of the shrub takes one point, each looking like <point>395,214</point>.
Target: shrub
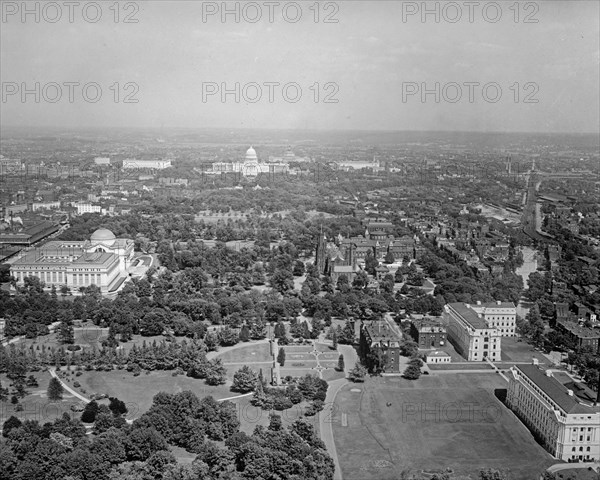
<point>282,403</point>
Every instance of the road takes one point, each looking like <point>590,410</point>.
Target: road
<point>326,416</point>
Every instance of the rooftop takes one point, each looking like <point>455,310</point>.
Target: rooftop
<point>469,315</point>
<point>379,331</point>
<point>555,390</point>
<point>579,330</point>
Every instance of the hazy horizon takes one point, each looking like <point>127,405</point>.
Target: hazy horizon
<point>370,61</point>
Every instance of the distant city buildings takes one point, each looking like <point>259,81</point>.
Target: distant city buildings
<point>133,164</point>
<point>249,167</point>
<point>103,260</point>
<point>102,160</point>
<point>85,207</point>
<point>10,166</point>
<point>565,426</point>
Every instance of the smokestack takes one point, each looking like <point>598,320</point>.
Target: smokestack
<point>598,395</point>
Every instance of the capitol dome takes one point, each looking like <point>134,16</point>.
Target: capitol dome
<point>251,155</point>
<point>104,236</point>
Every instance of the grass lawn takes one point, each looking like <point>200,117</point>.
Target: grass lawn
<point>297,348</point>
<point>296,372</point>
<point>395,425</point>
<point>137,392</point>
<point>292,356</point>
<point>322,347</point>
<point>515,351</point>
<point>35,404</point>
<point>258,352</point>
<point>460,366</point>
<point>329,375</point>
<point>251,416</point>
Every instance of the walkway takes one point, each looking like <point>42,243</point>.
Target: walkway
<point>326,416</point>
<point>52,372</point>
<point>566,466</point>
<point>326,419</point>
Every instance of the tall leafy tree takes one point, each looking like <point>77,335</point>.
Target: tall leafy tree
<point>55,389</point>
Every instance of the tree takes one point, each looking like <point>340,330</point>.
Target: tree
<point>492,474</point>
<point>55,389</point>
<point>343,285</point>
<point>334,341</point>
<point>244,333</point>
<point>89,412</point>
<point>12,422</point>
<point>275,423</point>
<point>282,281</point>
<point>412,372</point>
<point>358,373</point>
<point>389,257</point>
<point>65,333</point>
<point>340,365</point>
<point>216,373</point>
<point>228,337</point>
<point>117,407</point>
<point>298,270</point>
<point>281,356</point>
<point>535,325</point>
<point>377,360</point>
<point>346,336</point>
<point>244,380</point>
<point>371,263</point>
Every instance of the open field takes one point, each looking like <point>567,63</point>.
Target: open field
<point>137,392</point>
<point>393,425</point>
<point>257,352</point>
<point>515,351</point>
<point>36,405</point>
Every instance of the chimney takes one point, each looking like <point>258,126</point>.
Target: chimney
<point>478,302</point>
<point>498,302</point>
<point>570,392</point>
<point>598,396</point>
<point>549,373</point>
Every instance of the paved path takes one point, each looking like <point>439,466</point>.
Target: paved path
<point>234,397</point>
<point>67,388</point>
<point>326,423</point>
<point>566,466</point>
<point>326,417</point>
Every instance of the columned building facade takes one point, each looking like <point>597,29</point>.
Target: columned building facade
<point>103,260</point>
<point>566,427</point>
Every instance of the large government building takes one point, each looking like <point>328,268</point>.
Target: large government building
<point>566,426</point>
<point>103,260</point>
<point>250,167</point>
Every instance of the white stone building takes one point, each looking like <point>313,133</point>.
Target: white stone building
<point>472,336</point>
<point>103,260</point>
<point>566,426</point>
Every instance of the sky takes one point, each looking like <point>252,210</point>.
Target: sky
<point>357,65</point>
